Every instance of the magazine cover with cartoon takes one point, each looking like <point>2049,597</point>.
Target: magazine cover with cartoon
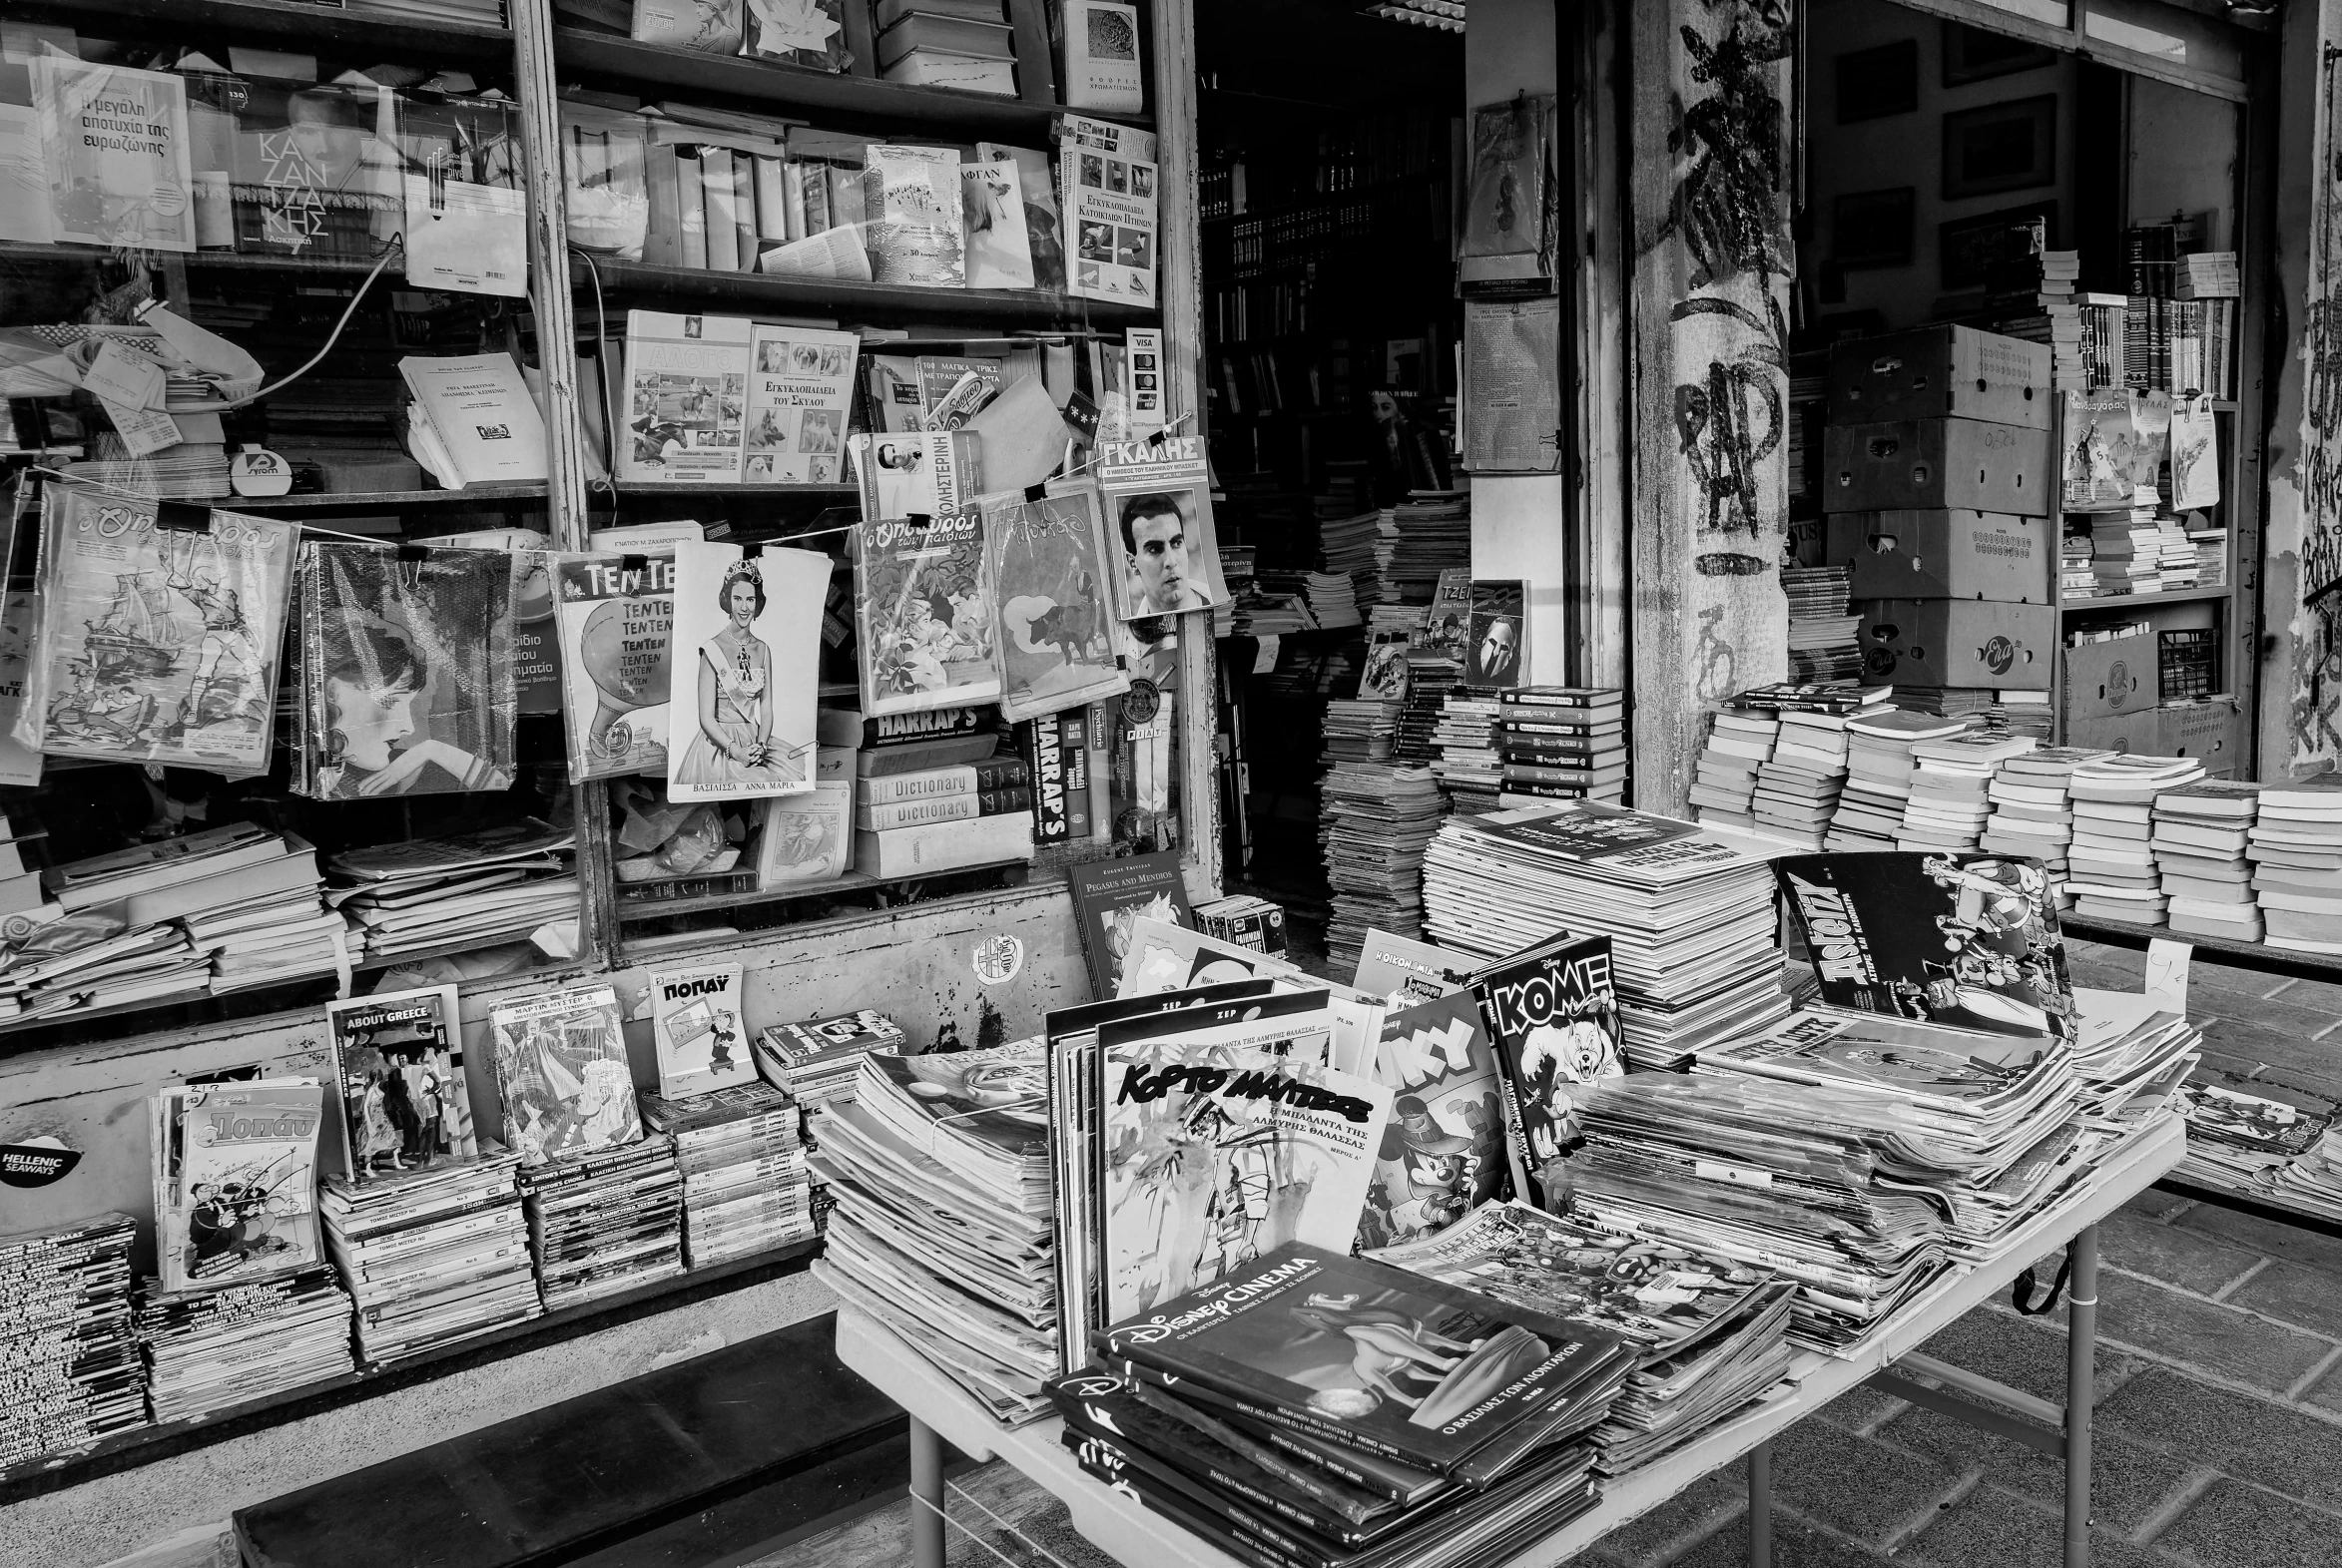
<point>1050,570</point>
<point>155,643</point>
<point>925,610</point>
<point>998,1096</point>
<point>239,1198</point>
<point>1442,1150</point>
<point>1552,1014</point>
<point>561,1069</point>
<point>1968,940</point>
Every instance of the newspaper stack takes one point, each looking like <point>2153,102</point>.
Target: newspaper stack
<point>2112,864</point>
<point>1469,766</point>
<point>2032,810</point>
<point>1434,536</point>
<point>744,1189</point>
<point>1708,1340</point>
<point>2244,1144</point>
<point>1431,676</point>
<point>605,1222</point>
<point>1688,909</point>
<point>1360,549</point>
<point>1798,787</point>
<point>939,1166</point>
<point>432,1255</point>
<point>1879,767</point>
<point>2200,832</point>
<point>70,1362</point>
<point>469,892</point>
<point>1825,645</point>
<point>1740,743</point>
<point>1360,730</point>
<point>210,1349</point>
<point>1376,821</point>
<point>818,1061</point>
<point>1563,742</point>
<point>1950,786</point>
<point>2296,854</point>
<point>2132,1055</point>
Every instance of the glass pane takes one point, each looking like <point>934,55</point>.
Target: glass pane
<point>2053,13</point>
<point>2169,37</point>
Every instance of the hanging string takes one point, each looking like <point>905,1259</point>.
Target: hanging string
<point>398,243</point>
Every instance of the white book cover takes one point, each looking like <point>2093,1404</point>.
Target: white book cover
<point>481,411</point>
<point>686,397</point>
<point>1101,56</point>
<point>799,384</point>
<point>807,837</point>
<point>999,242</point>
<point>1107,174</point>
<point>114,145</point>
<point>749,632</point>
<point>912,194</point>
<point>697,1023</point>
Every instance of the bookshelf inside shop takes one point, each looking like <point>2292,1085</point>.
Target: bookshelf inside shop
<point>440,327</point>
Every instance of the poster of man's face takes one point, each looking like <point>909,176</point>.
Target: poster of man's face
<point>1158,544</point>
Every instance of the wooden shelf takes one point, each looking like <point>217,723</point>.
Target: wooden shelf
<point>772,85</point>
<point>387,500</point>
<point>2257,956</point>
<point>344,35</point>
<point>196,261</point>
<point>851,883</point>
<point>826,492</point>
<point>2136,601</point>
<point>888,301</point>
<point>150,1444</point>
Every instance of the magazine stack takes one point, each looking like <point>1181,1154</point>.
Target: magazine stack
<point>819,1060</point>
<point>745,1187</point>
<point>70,1360</point>
<point>1824,646</point>
<point>1799,785</point>
<point>605,1222</point>
<point>1376,823</point>
<point>210,1349</point>
<point>1688,911</point>
<point>1879,767</point>
<point>2132,1054</point>
<point>2032,809</point>
<point>1244,1413</point>
<point>1950,786</point>
<point>2242,1143</point>
<point>1434,537</point>
<point>473,890</point>
<point>432,1255</point>
<point>1740,743</point>
<point>939,1169</point>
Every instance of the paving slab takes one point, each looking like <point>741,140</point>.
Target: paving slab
<point>1672,1530</point>
<point>1795,1545</point>
<point>2251,1438</point>
<point>2276,1238</point>
<point>1993,1528</point>
<point>2221,1339</point>
<point>2232,1525</point>
<point>2295,1293</point>
<point>2129,1483</point>
<point>2187,1259</point>
<point>1813,1462</point>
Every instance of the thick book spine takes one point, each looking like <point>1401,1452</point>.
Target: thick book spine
<point>1236,1506</point>
<point>943,808</point>
<point>1583,777</point>
<point>1192,1384</point>
<point>691,224</point>
<point>723,222</point>
<point>972,779</point>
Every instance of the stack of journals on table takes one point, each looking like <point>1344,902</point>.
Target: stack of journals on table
<point>2296,853</point>
<point>210,1349</point>
<point>1688,909</point>
<point>2132,1055</point>
<point>213,911</point>
<point>1375,821</point>
<point>1562,743</point>
<point>1950,788</point>
<point>1469,766</point>
<point>74,1377</point>
<point>474,889</point>
<point>2200,834</point>
<point>1244,1413</point>
<point>1359,548</point>
<point>1434,536</point>
<point>2246,1143</point>
<point>1740,743</point>
<point>2110,867</point>
<point>2032,809</point>
<point>1879,767</point>
<point>745,1187</point>
<point>432,1255</point>
<point>1798,788</point>
<point>819,1060</point>
<point>603,1222</point>
<point>943,1220</point>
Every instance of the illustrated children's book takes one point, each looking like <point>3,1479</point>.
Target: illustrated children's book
<point>698,1020</point>
<point>235,1181</point>
<point>1551,1013</point>
<point>1442,1152</point>
<point>927,613</point>
<point>1058,629</point>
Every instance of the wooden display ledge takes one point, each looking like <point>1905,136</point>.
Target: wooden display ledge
<point>347,37</point>
<point>150,1444</point>
<point>857,301</point>
<point>2257,956</point>
<point>387,501</point>
<point>851,883</point>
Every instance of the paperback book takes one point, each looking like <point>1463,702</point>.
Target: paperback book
<point>686,397</point>
<point>754,629</point>
<point>1551,1013</point>
<point>235,1181</point>
<point>698,1027</point>
<point>915,474</point>
<point>1442,1153</point>
<point>615,614</point>
<point>1107,173</point>
<point>1000,242</point>
<point>561,1072</point>
<point>912,196</point>
<point>1110,897</point>
<point>1158,505</point>
<point>1058,629</point>
<point>398,1068</point>
<point>1044,225</point>
<point>115,144</point>
<point>927,613</point>
<point>798,390</point>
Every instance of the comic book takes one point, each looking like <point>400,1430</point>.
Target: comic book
<point>399,1070</point>
<point>561,1072</point>
<point>1552,1014</point>
<point>1057,624</point>
<point>1442,1153</point>
<point>698,1021</point>
<point>926,614</point>
<point>235,1181</point>
<point>747,655</point>
<point>157,644</point>
<point>800,386</point>
<point>407,680</point>
<point>616,619</point>
<point>1158,506</point>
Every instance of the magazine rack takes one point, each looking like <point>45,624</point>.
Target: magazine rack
<point>1126,1531</point>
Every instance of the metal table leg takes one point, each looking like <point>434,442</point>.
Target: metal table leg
<point>1760,1506</point>
<point>926,1496</point>
<point>2081,1339</point>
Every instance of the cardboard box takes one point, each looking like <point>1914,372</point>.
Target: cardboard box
<point>2112,679</point>
<point>1956,642</point>
<point>1934,463</point>
<point>1943,554</point>
<point>2210,731</point>
<point>2140,732</point>
<point>1941,373</point>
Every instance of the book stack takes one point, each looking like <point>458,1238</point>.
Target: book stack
<point>1563,742</point>
<point>1798,787</point>
<point>1688,909</point>
<point>1951,788</point>
<point>2199,833</point>
<point>2211,550</point>
<point>1468,765</point>
<point>66,1345</point>
<point>605,1222</point>
<point>1824,646</point>
<point>1434,536</point>
<point>2021,712</point>
<point>745,1187</point>
<point>1740,743</point>
<point>2111,864</point>
<point>943,818</point>
<point>1363,729</point>
<point>2141,551</point>
<point>1431,676</point>
<point>434,1255</point>
<point>1360,549</point>
<point>1255,1423</point>
<point>818,1061</point>
<point>1374,823</point>
<point>2032,809</point>
<point>1879,768</point>
<point>966,44</point>
<point>2078,577</point>
<point>2061,306</point>
<point>1244,919</point>
<point>207,1351</point>
<point>2296,854</point>
<point>471,890</point>
<point>943,1223</point>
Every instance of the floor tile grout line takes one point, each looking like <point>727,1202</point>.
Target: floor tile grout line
<point>1962,1489</point>
<point>2190,1490</point>
<point>2329,1030</point>
<point>2243,1280</point>
<point>2280,988</point>
<point>2209,1300</point>
<point>2310,1380</point>
<point>2210,1378</point>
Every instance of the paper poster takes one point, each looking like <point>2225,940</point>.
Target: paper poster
<point>398,1065</point>
<point>617,627</point>
<point>1107,172</point>
<point>155,643</point>
<point>2196,459</point>
<point>749,633</point>
<point>1158,500</point>
<point>1056,626</point>
<point>1512,386</point>
<point>1504,201</point>
<point>926,614</point>
<point>115,149</point>
<point>2115,443</point>
<point>800,384</point>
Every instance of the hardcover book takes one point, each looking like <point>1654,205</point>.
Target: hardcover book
<point>561,1072</point>
<point>798,391</point>
<point>927,613</point>
<point>698,1024</point>
<point>398,1068</point>
<point>1057,629</point>
<point>750,633</point>
<point>1111,896</point>
<point>1442,1152</point>
<point>1551,1013</point>
<point>616,619</point>
<point>686,397</point>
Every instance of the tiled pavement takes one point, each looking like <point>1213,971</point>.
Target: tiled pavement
<point>2219,1426</point>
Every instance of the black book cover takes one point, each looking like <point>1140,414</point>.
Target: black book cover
<point>1110,896</point>
<point>1968,941</point>
<point>1551,1012</point>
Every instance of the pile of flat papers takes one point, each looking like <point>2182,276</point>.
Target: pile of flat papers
<point>1375,823</point>
<point>208,1351</point>
<point>744,1186</point>
<point>603,1222</point>
<point>472,891</point>
<point>2132,1055</point>
<point>72,1364</point>
<point>1360,730</point>
<point>1360,549</point>
<point>2200,832</point>
<point>944,1230</point>
<point>2240,1142</point>
<point>432,1255</point>
<point>1951,789</point>
<point>1879,768</point>
<point>1688,909</point>
<point>2110,867</point>
<point>1798,787</point>
<point>1434,536</point>
<point>2296,854</point>
<point>2032,809</point>
<point>818,1061</point>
